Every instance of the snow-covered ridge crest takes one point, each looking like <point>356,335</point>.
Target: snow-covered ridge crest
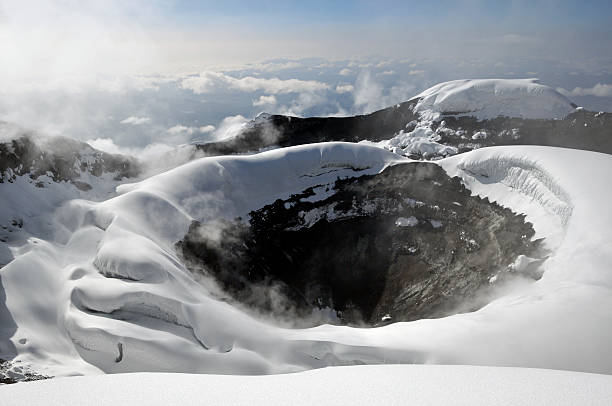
<point>536,193</point>
<point>526,177</point>
<point>490,98</point>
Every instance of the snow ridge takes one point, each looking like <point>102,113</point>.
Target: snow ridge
<point>527,177</point>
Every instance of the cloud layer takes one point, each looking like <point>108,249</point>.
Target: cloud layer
<point>133,120</point>
<point>599,90</point>
<point>207,82</point>
<point>136,111</point>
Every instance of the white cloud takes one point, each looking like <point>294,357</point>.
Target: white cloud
<point>155,158</point>
<point>106,145</point>
<point>599,90</point>
<point>208,81</point>
<point>205,82</point>
<point>382,64</point>
<point>304,102</point>
<point>230,127</point>
<point>276,66</point>
<point>133,120</point>
<point>416,72</point>
<point>181,129</point>
<point>344,88</point>
<point>277,86</point>
<point>150,151</point>
<point>387,72</point>
<point>345,72</point>
<point>370,95</point>
<point>265,101</point>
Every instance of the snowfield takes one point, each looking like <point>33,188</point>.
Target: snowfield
<point>363,385</point>
<point>108,294</point>
<point>490,98</point>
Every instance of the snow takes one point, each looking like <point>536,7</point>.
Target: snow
<point>521,263</point>
<point>118,257</point>
<point>26,209</point>
<point>436,223</point>
<point>490,98</point>
<point>480,135</point>
<point>421,141</point>
<point>506,174</point>
<point>360,385</point>
<point>406,222</point>
<point>154,317</point>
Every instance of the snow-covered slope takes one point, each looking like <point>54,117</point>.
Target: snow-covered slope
<point>490,98</point>
<point>111,295</point>
<point>38,174</point>
<point>118,258</point>
<point>361,385</point>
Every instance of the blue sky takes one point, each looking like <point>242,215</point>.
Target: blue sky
<point>160,35</point>
<point>280,13</point>
<point>561,10</point>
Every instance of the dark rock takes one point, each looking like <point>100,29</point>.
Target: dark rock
<point>347,251</point>
<point>284,131</point>
<point>63,158</point>
<point>581,130</point>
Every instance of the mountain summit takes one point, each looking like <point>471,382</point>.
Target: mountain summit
<point>490,98</point>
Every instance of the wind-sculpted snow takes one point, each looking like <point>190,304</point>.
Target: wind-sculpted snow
<point>111,295</point>
<point>490,98</point>
<point>530,180</point>
<point>38,174</point>
<point>526,176</point>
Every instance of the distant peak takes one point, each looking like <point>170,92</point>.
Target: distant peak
<point>490,98</point>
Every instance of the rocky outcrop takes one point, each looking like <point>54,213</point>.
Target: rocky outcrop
<point>64,159</point>
<point>581,129</point>
<point>285,131</point>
